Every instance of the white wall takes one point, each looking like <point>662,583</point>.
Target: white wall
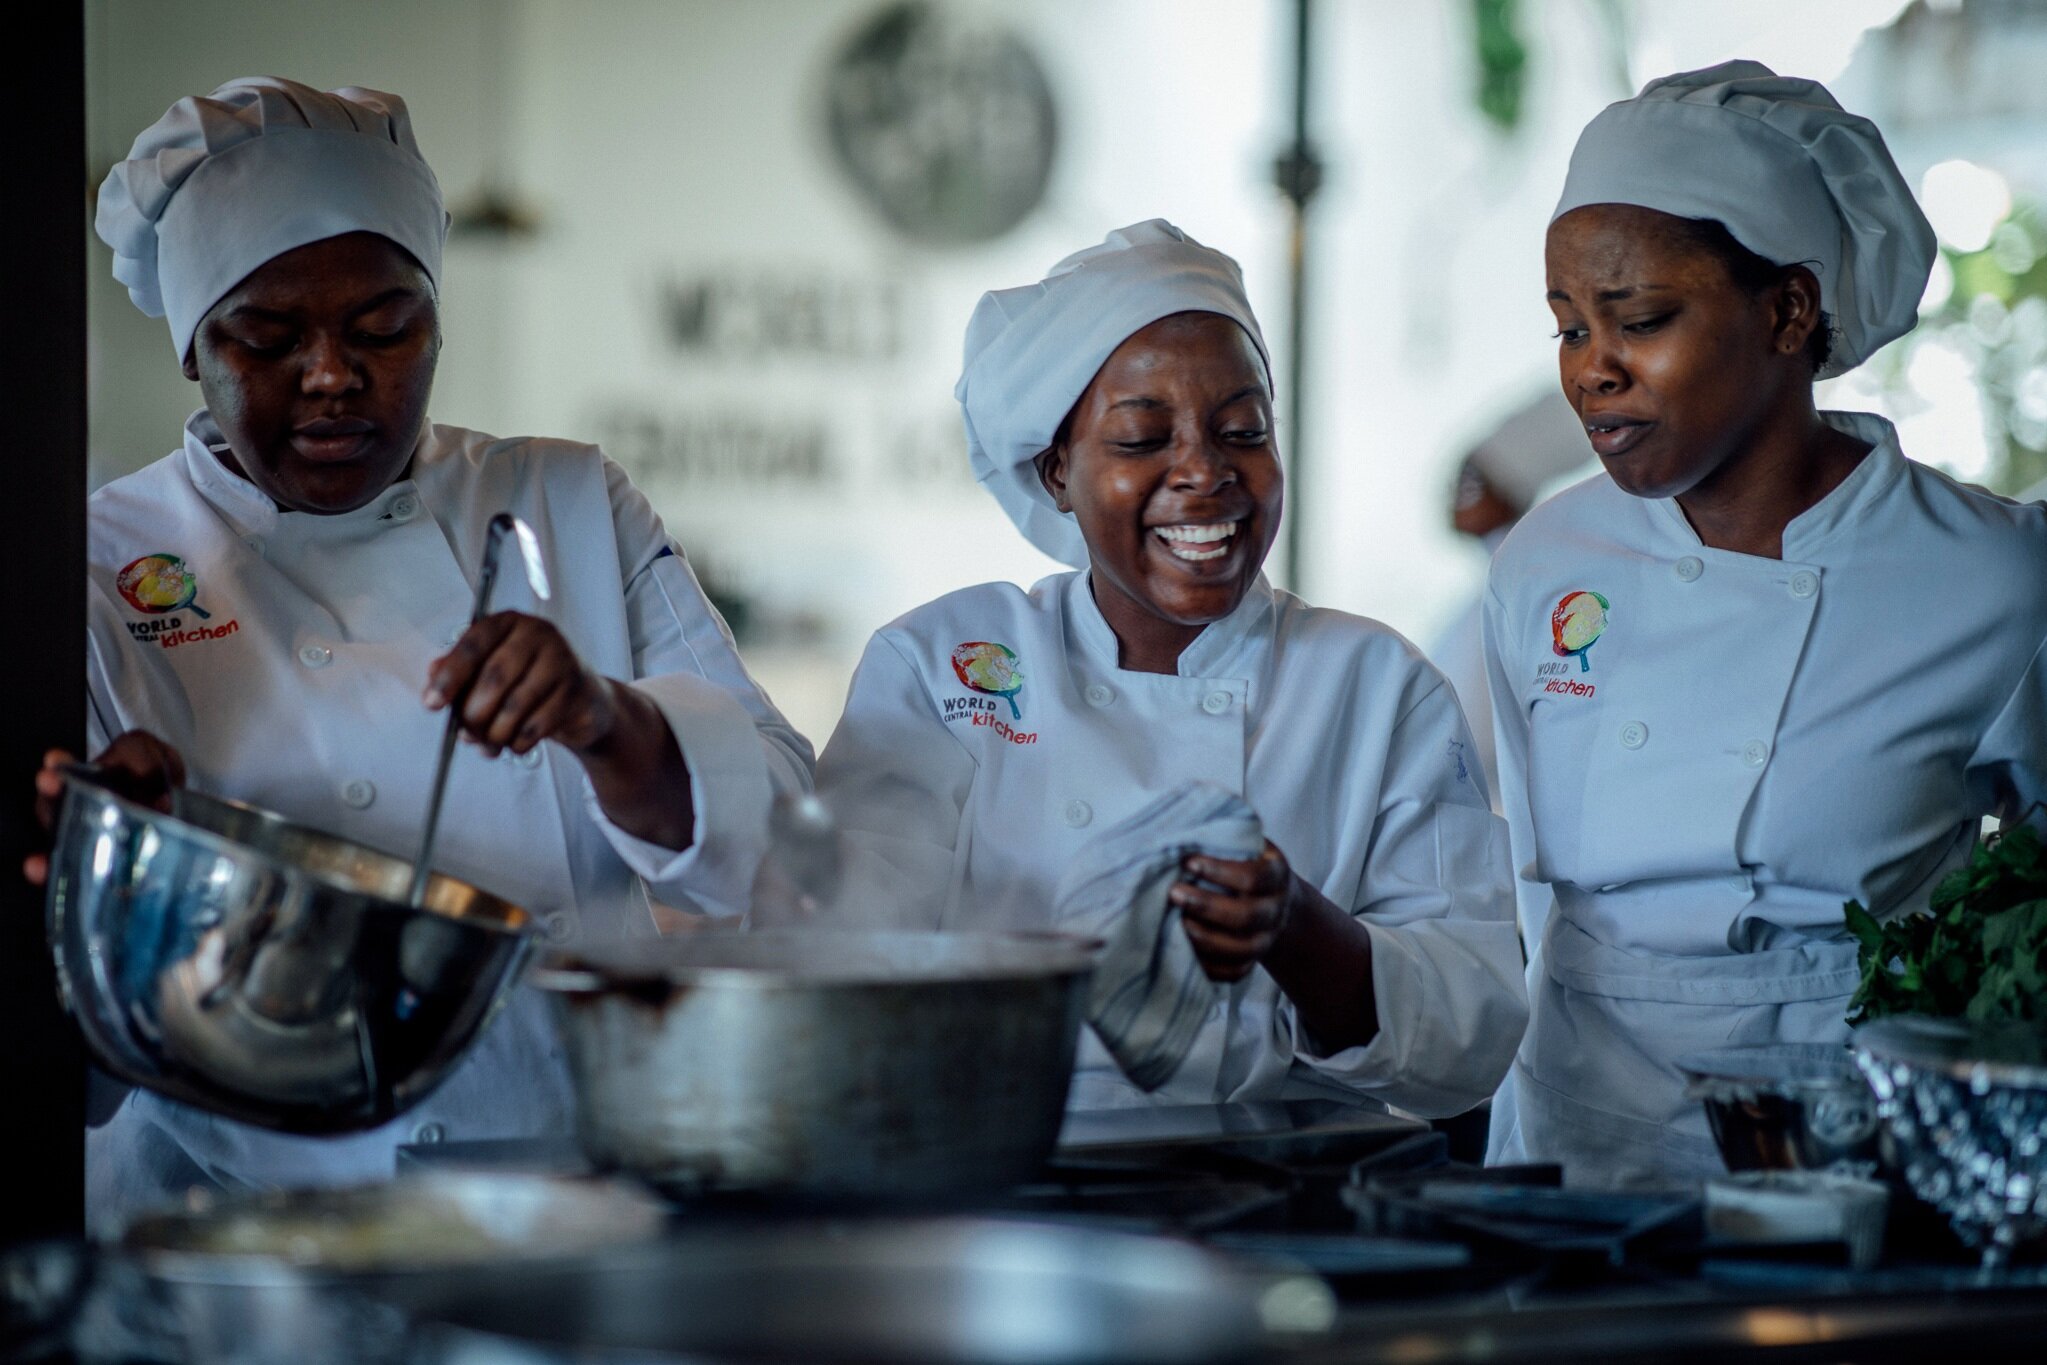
<point>678,139</point>
<point>665,140</point>
<point>141,55</point>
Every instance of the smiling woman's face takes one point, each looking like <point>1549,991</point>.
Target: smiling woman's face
<point>1672,365</point>
<point>1170,469</point>
<point>317,368</point>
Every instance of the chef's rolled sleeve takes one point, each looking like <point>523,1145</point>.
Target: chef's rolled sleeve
<point>1437,905</point>
<point>730,791</point>
<point>740,751</point>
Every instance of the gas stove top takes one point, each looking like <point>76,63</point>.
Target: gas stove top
<point>1429,1259</point>
<point>1369,1200</point>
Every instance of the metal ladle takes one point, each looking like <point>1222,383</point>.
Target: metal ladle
<point>501,525</point>
<point>803,845</point>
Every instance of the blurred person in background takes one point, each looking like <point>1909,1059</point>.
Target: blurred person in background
<point>1530,453</point>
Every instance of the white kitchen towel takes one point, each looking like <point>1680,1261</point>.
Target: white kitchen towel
<point>1149,996</point>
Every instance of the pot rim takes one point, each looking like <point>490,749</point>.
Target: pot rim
<point>1796,1071</point>
<point>636,967</point>
<point>2004,1054</point>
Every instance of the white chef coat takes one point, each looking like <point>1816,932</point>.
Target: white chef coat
<point>299,690</point>
<point>1750,743</point>
<point>1459,651</point>
<point>963,808</point>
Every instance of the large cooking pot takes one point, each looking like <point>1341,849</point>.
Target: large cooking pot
<point>847,1065</point>
<point>234,961</point>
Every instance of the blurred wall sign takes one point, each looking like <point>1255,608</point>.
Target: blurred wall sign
<point>795,315</point>
<point>943,120</point>
<point>724,448</point>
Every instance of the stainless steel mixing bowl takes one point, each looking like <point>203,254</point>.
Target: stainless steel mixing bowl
<point>1786,1107</point>
<point>232,960</point>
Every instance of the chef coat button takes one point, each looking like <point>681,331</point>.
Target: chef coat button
<point>1217,702</point>
<point>529,759</point>
<point>359,793</point>
<point>1755,753</point>
<point>557,926</point>
<point>315,656</point>
<point>404,507</point>
<point>1099,694</point>
<point>1689,568</point>
<point>1738,882</point>
<point>1634,735</point>
<point>254,543</point>
<point>1078,813</point>
<point>429,1134</point>
<point>1804,583</point>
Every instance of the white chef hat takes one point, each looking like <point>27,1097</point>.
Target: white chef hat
<point>1532,447</point>
<point>223,183</point>
<point>1033,350</point>
<point>1794,177</point>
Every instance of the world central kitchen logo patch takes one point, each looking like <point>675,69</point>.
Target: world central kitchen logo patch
<point>1576,625</point>
<point>163,587</point>
<point>987,670</point>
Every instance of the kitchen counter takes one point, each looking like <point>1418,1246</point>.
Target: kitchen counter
<point>1424,1261</point>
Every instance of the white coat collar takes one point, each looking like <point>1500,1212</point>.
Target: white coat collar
<point>1806,534</point>
<point>1211,654</point>
<point>248,508</point>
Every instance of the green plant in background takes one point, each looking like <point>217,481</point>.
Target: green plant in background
<point>1996,316</point>
<point>1981,951</point>
<point>1502,61</point>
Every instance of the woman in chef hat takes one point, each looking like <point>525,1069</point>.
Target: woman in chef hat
<point>270,601</point>
<point>1269,810</point>
<point>1769,664</point>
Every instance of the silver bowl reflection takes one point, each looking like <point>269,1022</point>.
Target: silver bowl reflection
<point>264,971</point>
<point>1786,1106</point>
<point>1966,1105</point>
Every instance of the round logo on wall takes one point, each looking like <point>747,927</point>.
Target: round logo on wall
<point>944,121</point>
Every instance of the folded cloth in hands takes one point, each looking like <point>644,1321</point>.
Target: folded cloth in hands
<point>1149,996</point>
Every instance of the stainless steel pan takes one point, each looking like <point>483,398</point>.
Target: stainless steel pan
<point>322,1277</point>
<point>917,1291</point>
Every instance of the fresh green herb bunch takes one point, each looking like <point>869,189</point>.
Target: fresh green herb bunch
<point>1980,954</point>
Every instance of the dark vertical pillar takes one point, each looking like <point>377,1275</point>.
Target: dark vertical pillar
<point>1299,175</point>
<point>42,527</point>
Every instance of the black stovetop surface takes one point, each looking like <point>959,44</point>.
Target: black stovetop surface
<point>1432,1259</point>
